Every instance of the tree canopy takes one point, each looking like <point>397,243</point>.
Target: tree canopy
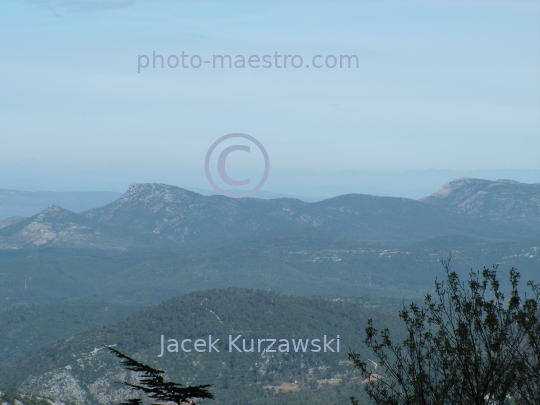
<point>468,344</point>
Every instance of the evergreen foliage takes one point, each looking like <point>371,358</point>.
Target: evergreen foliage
<point>528,378</point>
<point>28,328</point>
<point>132,401</point>
<point>294,262</point>
<point>467,345</point>
<point>237,378</point>
<point>152,383</point>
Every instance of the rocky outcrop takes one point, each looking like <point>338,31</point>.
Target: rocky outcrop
<point>8,397</point>
<point>503,201</point>
<point>57,227</point>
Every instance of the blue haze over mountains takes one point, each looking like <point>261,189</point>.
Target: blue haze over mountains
<point>153,215</point>
<point>157,241</point>
<point>358,253</point>
<point>21,197</point>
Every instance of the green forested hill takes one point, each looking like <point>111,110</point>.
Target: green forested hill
<point>80,371</point>
<point>301,262</point>
<point>26,329</point>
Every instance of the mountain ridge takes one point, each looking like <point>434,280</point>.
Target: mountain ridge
<point>153,214</point>
<point>499,201</point>
<point>58,227</point>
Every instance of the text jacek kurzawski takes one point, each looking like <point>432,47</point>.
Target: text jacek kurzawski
<point>238,344</point>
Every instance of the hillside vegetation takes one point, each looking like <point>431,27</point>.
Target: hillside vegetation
<point>79,370</point>
<point>27,329</point>
<point>301,262</point>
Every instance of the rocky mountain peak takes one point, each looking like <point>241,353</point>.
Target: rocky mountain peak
<point>501,200</point>
<point>54,212</point>
<point>464,185</point>
<point>148,206</point>
<point>162,215</point>
<point>155,192</point>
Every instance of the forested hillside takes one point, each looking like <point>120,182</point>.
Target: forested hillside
<point>28,328</point>
<point>79,370</point>
<point>302,262</point>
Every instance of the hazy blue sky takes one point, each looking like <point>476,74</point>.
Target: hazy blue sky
<point>440,84</point>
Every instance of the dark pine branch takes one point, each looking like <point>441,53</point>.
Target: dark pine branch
<point>152,384</point>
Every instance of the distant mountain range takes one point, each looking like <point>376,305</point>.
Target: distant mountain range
<point>155,215</point>
<point>305,185</point>
<point>156,241</point>
<point>413,184</point>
